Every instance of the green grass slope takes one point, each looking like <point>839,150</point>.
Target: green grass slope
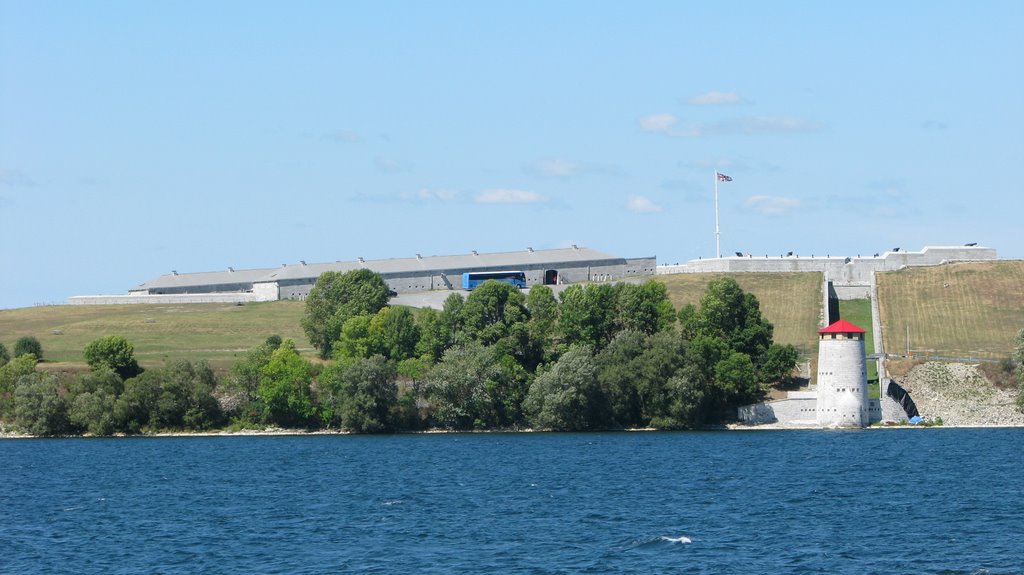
<point>791,301</point>
<point>219,333</point>
<point>962,310</point>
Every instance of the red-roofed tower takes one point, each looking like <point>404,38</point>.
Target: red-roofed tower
<point>842,376</point>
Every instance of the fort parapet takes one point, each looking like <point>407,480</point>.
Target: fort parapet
<point>850,276</point>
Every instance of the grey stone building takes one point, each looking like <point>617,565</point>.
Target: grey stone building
<point>403,275</point>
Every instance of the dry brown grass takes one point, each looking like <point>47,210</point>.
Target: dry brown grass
<point>963,310</point>
<point>791,301</point>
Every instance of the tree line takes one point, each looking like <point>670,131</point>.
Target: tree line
<point>596,356</point>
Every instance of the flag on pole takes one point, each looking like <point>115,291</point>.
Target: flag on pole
<point>723,178</point>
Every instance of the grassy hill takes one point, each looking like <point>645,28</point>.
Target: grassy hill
<point>791,301</point>
<point>219,333</point>
<point>977,315</point>
<point>963,310</point>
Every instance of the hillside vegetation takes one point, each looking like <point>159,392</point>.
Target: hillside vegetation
<point>970,309</point>
<point>791,301</point>
<point>218,333</point>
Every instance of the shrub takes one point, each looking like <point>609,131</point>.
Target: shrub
<point>26,345</point>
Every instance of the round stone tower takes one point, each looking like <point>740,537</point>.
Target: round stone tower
<point>842,376</point>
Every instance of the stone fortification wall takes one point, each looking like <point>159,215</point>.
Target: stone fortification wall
<point>799,409</point>
<point>841,271</point>
<point>245,297</point>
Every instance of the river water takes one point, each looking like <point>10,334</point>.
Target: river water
<point>873,501</point>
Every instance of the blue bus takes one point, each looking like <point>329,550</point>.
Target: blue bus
<point>471,280</point>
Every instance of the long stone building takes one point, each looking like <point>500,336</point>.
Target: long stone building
<point>403,275</point>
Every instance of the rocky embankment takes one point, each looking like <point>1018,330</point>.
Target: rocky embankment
<point>960,394</point>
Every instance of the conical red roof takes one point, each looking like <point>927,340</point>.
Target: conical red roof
<point>841,326</point>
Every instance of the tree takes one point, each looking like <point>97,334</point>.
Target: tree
<point>728,313</point>
<point>567,397</point>
<point>26,345</point>
<point>38,406</point>
<point>588,315</point>
<point>364,394</point>
<point>491,314</point>
<point>240,394</point>
<point>10,373</point>
<point>473,387</point>
<point>284,389</point>
<point>4,355</point>
<point>396,332</point>
<point>777,364</point>
<point>115,352</point>
<point>543,308</point>
<point>335,298</point>
<point>736,379</point>
<point>645,307</point>
<point>93,411</point>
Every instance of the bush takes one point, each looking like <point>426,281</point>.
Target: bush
<point>4,356</point>
<point>115,352</point>
<point>26,345</point>
<point>38,406</point>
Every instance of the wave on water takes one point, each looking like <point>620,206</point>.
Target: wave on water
<point>662,541</point>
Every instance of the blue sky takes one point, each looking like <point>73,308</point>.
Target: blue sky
<point>138,138</point>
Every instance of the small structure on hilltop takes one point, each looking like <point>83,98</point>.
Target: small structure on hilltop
<point>842,376</point>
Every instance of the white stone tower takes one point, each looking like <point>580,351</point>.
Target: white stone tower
<point>842,376</point>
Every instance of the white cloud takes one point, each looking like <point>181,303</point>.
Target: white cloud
<point>15,178</point>
<point>557,168</point>
<point>765,125</point>
<point>391,165</point>
<point>661,123</point>
<point>346,136</point>
<point>426,195</point>
<point>743,126</point>
<point>506,196</point>
<point>771,205</point>
<point>642,205</point>
<point>716,98</point>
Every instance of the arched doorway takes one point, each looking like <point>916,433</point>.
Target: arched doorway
<point>551,277</point>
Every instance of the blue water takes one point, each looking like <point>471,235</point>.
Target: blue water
<point>874,501</point>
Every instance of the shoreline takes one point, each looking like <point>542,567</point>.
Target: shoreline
<point>280,432</point>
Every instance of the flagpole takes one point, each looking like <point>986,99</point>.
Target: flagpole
<point>718,243</point>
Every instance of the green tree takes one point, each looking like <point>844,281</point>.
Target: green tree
<point>240,391</point>
<point>114,352</point>
<point>396,332</point>
<point>567,397</point>
<point>39,407</point>
<point>364,394</point>
<point>133,409</point>
<point>4,355</point>
<point>355,340</point>
<point>543,307</point>
<point>473,387</point>
<point>728,313</point>
<point>93,411</point>
<point>10,373</point>
<point>588,315</point>
<point>26,345</point>
<point>335,298</point>
<point>495,314</point>
<point>736,379</point>
<point>686,405</point>
<point>284,389</point>
<point>778,363</point>
<point>645,307</point>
